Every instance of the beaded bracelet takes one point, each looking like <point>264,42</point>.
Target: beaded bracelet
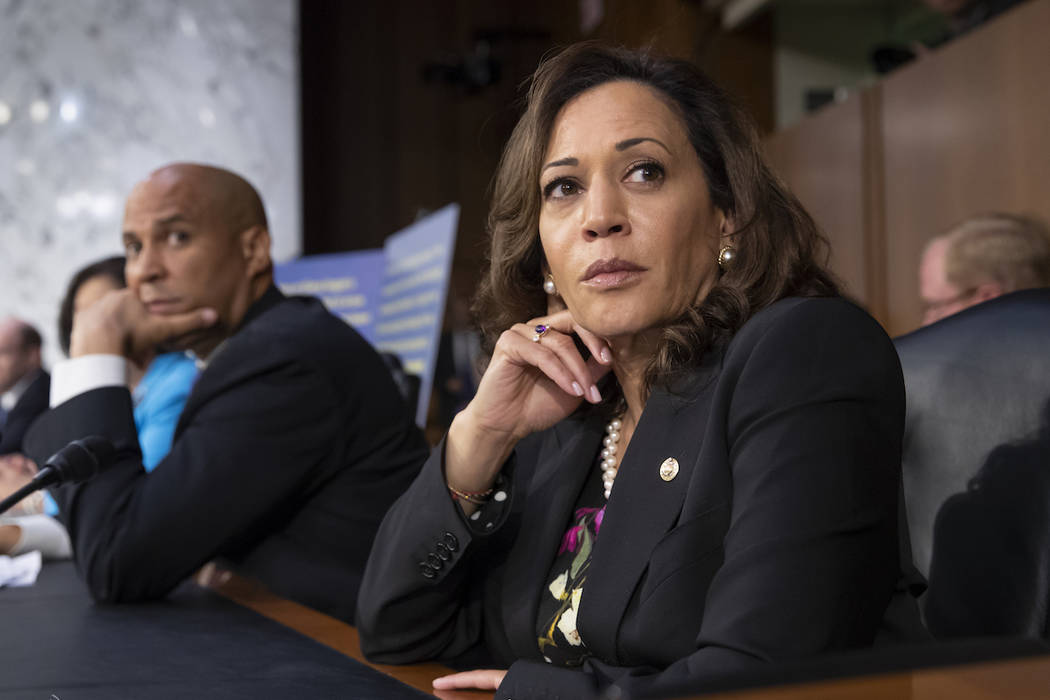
<point>478,498</point>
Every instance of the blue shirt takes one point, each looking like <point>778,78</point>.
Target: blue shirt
<point>158,400</point>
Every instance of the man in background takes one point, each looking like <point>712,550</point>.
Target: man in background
<point>292,444</point>
<point>982,258</point>
<point>24,385</point>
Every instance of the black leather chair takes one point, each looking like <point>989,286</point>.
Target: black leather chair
<point>977,465</point>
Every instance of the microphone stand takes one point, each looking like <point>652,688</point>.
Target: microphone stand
<point>44,478</point>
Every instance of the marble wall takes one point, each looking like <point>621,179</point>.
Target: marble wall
<point>97,93</point>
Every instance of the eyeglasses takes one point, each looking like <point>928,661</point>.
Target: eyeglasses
<point>933,308</point>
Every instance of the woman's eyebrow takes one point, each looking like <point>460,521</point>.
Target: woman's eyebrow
<point>629,143</point>
<point>563,161</point>
<point>620,146</point>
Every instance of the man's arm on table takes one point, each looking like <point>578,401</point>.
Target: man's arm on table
<point>39,532</point>
<point>25,528</point>
<point>261,430</point>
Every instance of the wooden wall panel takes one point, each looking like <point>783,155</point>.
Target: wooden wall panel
<point>965,130</point>
<point>381,143</point>
<point>741,61</point>
<point>821,159</point>
<point>962,131</point>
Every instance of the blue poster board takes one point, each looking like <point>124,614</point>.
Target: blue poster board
<point>347,283</point>
<point>394,297</point>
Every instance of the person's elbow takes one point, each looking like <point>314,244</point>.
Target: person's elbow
<point>111,581</point>
<point>379,642</point>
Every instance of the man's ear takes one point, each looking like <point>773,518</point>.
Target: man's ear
<point>255,247</point>
<point>986,291</point>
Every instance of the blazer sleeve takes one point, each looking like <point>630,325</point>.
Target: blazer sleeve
<point>237,463</point>
<point>813,421</point>
<point>422,596</point>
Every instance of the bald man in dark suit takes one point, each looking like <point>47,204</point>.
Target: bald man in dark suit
<point>291,445</point>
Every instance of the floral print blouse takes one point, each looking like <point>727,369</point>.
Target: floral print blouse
<point>559,640</point>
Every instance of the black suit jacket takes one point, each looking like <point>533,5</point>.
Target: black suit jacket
<point>777,539</point>
<point>31,403</point>
<point>291,446</point>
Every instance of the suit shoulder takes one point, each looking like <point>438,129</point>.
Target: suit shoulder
<point>827,338</point>
<point>302,325</point>
<point>810,321</point>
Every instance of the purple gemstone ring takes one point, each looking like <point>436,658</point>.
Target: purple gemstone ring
<point>541,330</point>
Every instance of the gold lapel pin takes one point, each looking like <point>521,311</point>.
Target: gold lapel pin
<point>669,469</point>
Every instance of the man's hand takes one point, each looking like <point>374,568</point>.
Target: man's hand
<point>119,324</point>
<point>16,471</point>
<point>10,536</point>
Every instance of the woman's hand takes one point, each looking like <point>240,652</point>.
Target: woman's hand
<point>528,386</point>
<point>483,679</point>
<point>531,385</point>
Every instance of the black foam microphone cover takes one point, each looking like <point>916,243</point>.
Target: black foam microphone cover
<point>79,460</point>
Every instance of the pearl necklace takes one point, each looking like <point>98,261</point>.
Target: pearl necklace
<point>608,463</point>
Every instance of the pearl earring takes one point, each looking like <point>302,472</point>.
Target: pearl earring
<point>726,257</point>
<point>548,285</point>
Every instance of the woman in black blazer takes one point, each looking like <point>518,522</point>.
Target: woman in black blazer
<point>687,461</point>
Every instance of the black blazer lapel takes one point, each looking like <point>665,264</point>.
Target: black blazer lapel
<point>564,461</point>
<point>643,506</point>
<point>205,380</point>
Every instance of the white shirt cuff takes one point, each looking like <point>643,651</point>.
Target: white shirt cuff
<point>77,375</point>
<point>41,533</point>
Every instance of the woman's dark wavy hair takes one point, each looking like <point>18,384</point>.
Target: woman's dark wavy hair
<point>779,250</point>
<point>113,268</point>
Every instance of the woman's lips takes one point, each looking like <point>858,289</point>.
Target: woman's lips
<point>611,273</point>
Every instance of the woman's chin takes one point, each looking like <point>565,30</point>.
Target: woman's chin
<point>620,331</point>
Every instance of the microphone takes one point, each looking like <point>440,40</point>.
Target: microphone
<point>76,462</point>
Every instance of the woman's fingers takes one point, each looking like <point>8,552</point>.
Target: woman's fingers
<point>547,344</point>
<point>598,347</point>
<point>571,380</point>
<point>562,346</point>
<point>564,322</point>
<point>484,679</point>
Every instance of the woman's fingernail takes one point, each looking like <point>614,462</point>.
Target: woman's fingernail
<point>577,388</point>
<point>605,356</point>
<point>596,395</point>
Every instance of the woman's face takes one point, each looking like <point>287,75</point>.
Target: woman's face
<point>626,221</point>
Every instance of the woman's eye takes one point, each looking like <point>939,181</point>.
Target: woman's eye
<point>646,172</point>
<point>560,188</point>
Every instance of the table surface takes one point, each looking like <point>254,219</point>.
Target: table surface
<point>197,643</point>
<point>238,640</point>
<point>331,632</point>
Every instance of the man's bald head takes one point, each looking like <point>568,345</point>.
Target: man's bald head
<point>226,194</point>
<point>195,236</point>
